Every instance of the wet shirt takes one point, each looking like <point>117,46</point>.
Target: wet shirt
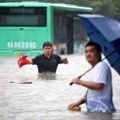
<point>46,64</point>
<point>101,100</point>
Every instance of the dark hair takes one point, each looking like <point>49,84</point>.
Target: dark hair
<point>97,46</point>
<point>47,44</point>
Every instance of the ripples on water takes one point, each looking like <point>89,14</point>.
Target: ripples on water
<point>48,98</point>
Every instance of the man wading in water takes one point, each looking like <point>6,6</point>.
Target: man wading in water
<point>47,62</point>
<point>99,94</point>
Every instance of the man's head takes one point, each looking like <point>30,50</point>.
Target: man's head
<point>93,52</point>
<point>47,47</point>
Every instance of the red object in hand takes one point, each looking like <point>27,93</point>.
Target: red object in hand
<point>23,60</point>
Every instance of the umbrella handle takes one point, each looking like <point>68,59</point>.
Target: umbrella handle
<point>71,83</point>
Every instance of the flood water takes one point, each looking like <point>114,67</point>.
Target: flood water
<point>47,98</point>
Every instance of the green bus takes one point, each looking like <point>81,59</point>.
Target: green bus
<point>24,26</point>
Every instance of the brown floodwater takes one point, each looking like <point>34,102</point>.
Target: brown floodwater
<point>46,97</point>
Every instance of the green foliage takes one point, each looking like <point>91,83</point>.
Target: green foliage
<point>110,8</point>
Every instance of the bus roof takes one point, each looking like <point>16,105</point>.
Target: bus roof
<point>38,4</point>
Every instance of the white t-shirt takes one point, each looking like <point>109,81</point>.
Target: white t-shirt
<point>100,100</point>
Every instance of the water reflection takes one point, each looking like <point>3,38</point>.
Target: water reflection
<point>47,76</point>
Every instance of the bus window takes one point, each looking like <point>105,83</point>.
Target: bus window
<point>23,16</point>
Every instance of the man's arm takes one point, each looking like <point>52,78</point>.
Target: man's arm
<point>64,60</point>
<point>30,61</point>
<point>79,102</point>
<point>88,84</point>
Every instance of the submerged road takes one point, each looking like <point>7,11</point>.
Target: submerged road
<point>46,97</point>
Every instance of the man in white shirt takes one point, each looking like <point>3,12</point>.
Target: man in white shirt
<point>99,94</point>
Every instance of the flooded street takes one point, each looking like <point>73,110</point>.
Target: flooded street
<point>47,99</point>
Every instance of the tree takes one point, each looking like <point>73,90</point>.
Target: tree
<point>110,8</point>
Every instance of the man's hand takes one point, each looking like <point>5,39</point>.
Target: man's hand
<point>75,81</point>
<point>64,60</point>
<point>74,104</point>
<point>78,103</point>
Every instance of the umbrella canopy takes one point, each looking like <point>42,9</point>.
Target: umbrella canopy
<point>106,32</point>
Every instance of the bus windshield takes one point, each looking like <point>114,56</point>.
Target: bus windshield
<point>23,16</point>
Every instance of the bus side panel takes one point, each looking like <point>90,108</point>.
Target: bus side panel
<point>14,41</point>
